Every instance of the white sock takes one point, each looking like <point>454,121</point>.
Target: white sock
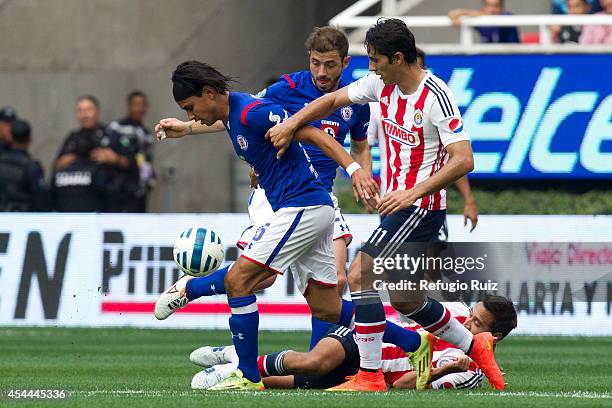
<point>369,337</point>
<point>453,332</point>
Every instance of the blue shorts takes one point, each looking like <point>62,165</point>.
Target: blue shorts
<point>349,366</point>
<point>412,224</point>
<point>442,235</point>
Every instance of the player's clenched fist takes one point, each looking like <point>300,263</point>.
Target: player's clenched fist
<point>281,136</point>
<point>172,128</point>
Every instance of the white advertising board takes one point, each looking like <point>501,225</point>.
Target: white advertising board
<point>108,270</point>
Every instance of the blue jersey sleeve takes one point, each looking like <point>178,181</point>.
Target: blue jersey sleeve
<point>359,131</point>
<point>263,116</point>
<point>277,92</point>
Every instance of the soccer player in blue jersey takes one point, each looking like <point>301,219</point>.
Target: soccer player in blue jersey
<point>299,233</point>
<point>328,56</point>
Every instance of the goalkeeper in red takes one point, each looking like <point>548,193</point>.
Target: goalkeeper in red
<point>428,149</point>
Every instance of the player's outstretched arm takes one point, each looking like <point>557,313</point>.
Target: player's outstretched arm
<point>470,211</point>
<point>174,128</point>
<point>460,163</point>
<point>281,134</point>
<point>363,185</point>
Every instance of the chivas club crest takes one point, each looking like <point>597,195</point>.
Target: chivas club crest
<point>418,118</point>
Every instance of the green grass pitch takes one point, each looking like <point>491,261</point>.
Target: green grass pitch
<point>151,368</point>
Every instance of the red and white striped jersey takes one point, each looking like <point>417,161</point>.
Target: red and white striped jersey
<point>417,129</point>
<point>376,137</point>
<point>395,364</point>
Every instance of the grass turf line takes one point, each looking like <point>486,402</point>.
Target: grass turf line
<point>145,368</point>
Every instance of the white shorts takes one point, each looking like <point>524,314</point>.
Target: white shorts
<point>341,228</point>
<point>300,237</point>
<point>260,211</point>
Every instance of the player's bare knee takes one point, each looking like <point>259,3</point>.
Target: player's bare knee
<point>324,313</point>
<point>234,282</point>
<point>229,282</point>
<point>318,364</point>
<point>354,277</point>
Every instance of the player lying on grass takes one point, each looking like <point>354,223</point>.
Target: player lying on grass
<point>336,356</point>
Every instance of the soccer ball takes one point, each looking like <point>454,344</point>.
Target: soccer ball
<point>198,251</point>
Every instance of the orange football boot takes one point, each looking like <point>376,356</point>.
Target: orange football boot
<point>483,354</point>
<point>363,381</point>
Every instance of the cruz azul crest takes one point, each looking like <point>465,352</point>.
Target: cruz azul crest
<point>347,113</point>
<point>399,133</point>
<point>242,142</point>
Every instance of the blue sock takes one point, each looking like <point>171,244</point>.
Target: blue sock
<point>244,325</point>
<point>408,340</point>
<point>320,328</point>
<point>207,285</point>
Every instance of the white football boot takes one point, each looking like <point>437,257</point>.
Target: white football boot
<point>212,376</point>
<point>212,356</point>
<point>172,299</point>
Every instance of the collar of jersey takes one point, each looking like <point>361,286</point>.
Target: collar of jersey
<point>418,91</point>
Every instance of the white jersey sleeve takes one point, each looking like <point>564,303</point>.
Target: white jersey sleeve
<point>446,118</point>
<point>465,380</point>
<point>374,125</point>
<point>365,89</point>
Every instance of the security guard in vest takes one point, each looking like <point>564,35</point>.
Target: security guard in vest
<point>22,179</point>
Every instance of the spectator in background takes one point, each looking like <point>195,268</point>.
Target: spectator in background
<point>140,178</point>
<point>22,179</point>
<point>488,34</point>
<point>598,34</point>
<point>110,152</point>
<point>571,34</point>
<point>82,185</point>
<point>7,116</point>
<point>563,6</point>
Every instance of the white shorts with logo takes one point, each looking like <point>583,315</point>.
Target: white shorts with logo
<point>299,239</point>
<point>260,211</point>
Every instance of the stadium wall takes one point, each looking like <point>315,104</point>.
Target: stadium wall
<point>108,270</point>
<point>53,51</point>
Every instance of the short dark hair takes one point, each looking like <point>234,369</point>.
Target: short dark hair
<point>90,98</point>
<point>21,131</point>
<point>389,36</point>
<point>136,94</point>
<point>325,39</point>
<point>8,114</point>
<point>421,54</point>
<point>504,314</point>
<point>197,75</point>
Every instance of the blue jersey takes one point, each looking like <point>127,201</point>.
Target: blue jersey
<point>293,92</point>
<point>290,181</point>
